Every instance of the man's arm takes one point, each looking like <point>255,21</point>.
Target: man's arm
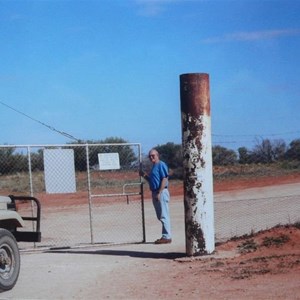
<point>144,175</point>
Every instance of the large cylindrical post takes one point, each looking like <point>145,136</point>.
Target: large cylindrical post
<point>197,163</point>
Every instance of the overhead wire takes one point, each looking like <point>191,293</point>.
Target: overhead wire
<point>40,122</point>
<point>256,135</point>
<point>234,138</point>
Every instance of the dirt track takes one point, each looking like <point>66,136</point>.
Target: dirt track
<point>161,271</point>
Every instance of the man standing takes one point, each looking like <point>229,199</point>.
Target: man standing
<point>158,182</point>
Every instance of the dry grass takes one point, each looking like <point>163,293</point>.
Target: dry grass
<point>253,170</point>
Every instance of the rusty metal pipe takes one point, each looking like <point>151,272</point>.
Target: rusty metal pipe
<point>197,163</point>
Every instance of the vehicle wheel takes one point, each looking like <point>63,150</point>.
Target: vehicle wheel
<point>9,260</point>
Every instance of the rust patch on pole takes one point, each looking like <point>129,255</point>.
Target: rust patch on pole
<point>194,93</point>
<point>197,163</point>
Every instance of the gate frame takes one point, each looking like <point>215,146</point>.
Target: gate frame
<point>88,171</point>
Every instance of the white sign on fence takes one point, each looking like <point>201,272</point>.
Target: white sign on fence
<point>59,171</point>
<point>109,161</point>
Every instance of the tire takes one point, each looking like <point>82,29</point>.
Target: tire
<point>9,260</point>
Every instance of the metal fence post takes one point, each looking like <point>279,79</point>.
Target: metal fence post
<point>30,170</point>
<point>197,163</point>
<point>89,191</point>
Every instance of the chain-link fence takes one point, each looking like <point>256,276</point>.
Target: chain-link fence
<point>244,212</point>
<point>92,194</point>
<point>89,194</point>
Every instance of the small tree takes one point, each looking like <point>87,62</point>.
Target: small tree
<point>293,152</point>
<point>245,156</point>
<point>268,151</point>
<point>263,152</point>
<point>279,149</point>
<point>223,157</point>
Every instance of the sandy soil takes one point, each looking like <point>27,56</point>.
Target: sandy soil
<point>263,266</point>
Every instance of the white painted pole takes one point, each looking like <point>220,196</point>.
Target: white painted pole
<point>197,164</point>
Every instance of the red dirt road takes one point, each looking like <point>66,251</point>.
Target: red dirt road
<point>243,183</point>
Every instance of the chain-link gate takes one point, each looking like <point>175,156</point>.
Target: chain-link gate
<point>90,193</point>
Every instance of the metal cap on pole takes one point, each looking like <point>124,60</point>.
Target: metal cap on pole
<point>197,163</point>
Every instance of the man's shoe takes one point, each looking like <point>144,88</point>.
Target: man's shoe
<point>163,241</point>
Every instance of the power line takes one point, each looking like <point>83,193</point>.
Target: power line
<point>42,123</point>
<point>256,135</point>
<point>234,138</point>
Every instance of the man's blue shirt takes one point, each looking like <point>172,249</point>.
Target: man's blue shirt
<point>158,173</point>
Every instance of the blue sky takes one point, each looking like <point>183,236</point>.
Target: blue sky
<point>96,69</point>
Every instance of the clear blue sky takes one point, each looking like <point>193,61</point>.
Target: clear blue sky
<point>103,68</point>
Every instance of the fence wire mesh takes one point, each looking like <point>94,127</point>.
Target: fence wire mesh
<point>238,214</point>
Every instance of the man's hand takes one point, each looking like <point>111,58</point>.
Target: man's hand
<point>144,174</point>
<point>158,196</point>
